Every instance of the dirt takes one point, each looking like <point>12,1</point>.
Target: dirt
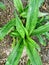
<point>6,15</point>
<point>5,44</point>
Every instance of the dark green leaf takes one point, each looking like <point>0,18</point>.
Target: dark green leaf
<point>28,62</point>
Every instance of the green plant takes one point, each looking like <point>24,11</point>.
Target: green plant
<point>22,33</point>
<point>2,6</point>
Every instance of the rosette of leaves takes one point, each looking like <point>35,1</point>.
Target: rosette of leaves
<point>22,34</point>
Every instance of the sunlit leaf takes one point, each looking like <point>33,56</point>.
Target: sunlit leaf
<point>18,5</point>
<point>41,29</point>
<point>32,15</point>
<point>33,44</point>
<point>19,26</point>
<point>7,28</point>
<point>15,55</point>
<point>33,55</point>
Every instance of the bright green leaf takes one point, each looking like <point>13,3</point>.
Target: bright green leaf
<point>14,34</point>
<point>33,44</point>
<point>41,29</point>
<point>32,15</point>
<point>40,14</point>
<point>33,55</point>
<point>7,28</point>
<point>15,55</point>
<point>19,26</point>
<point>18,5</point>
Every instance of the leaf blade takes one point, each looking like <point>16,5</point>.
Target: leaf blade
<point>18,4</point>
<point>33,54</point>
<point>33,44</point>
<point>15,54</point>
<point>32,15</point>
<point>7,28</point>
<point>41,40</point>
<point>19,26</point>
<point>41,29</point>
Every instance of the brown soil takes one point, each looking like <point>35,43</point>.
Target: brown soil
<point>5,45</point>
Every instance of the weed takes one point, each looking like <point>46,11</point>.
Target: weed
<point>34,19</point>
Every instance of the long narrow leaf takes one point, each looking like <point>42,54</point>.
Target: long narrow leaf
<point>24,13</point>
<point>33,55</point>
<point>47,35</point>
<point>36,57</point>
<point>18,4</point>
<point>40,14</point>
<point>41,29</point>
<point>41,2</point>
<point>19,26</point>
<point>15,55</point>
<point>14,34</point>
<point>41,40</point>
<point>33,44</point>
<point>32,15</point>
<point>7,28</point>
